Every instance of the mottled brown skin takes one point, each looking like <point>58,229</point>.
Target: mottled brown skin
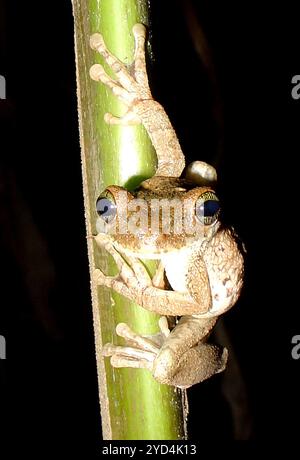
<point>158,242</point>
<point>204,269</point>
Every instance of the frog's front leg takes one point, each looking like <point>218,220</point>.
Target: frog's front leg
<point>180,358</point>
<point>134,282</point>
<point>132,88</point>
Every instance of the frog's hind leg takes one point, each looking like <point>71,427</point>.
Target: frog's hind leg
<point>197,364</point>
<point>179,358</point>
<point>184,359</point>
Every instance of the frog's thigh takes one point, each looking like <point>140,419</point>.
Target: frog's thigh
<point>184,359</point>
<point>198,364</point>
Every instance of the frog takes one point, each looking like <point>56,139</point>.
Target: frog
<point>200,266</point>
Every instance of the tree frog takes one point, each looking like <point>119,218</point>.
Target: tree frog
<point>200,268</point>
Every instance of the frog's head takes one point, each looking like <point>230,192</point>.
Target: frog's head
<point>164,214</point>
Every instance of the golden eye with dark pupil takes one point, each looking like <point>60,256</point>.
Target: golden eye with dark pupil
<point>106,207</point>
<point>208,208</point>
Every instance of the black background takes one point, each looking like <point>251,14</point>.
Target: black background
<point>50,368</point>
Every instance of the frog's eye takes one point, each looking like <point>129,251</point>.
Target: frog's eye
<point>106,207</point>
<point>208,208</point>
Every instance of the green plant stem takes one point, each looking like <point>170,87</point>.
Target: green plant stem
<point>133,404</point>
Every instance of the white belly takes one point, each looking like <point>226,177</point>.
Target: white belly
<point>176,266</point>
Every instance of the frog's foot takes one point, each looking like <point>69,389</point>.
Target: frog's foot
<point>142,350</point>
<point>131,84</point>
<point>170,357</point>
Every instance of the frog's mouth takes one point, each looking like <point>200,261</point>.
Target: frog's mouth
<point>154,247</point>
